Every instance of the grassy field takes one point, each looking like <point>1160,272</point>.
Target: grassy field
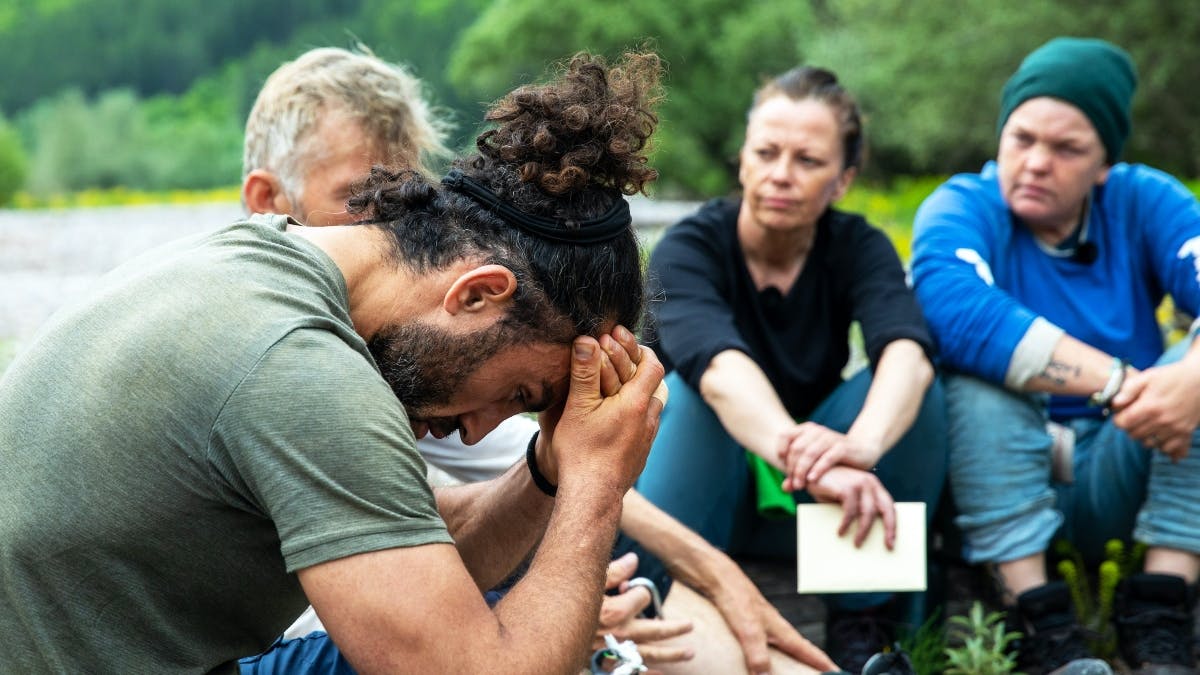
<point>124,197</point>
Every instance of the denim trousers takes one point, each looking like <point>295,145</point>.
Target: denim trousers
<point>1009,505</point>
<point>699,474</point>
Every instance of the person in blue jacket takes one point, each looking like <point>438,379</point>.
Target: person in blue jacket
<point>1039,277</point>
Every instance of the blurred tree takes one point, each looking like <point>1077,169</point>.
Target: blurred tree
<point>149,46</point>
<point>717,52</point>
<point>929,73</point>
<point>13,162</point>
<point>119,140</point>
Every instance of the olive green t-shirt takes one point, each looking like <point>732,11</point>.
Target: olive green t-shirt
<point>175,447</point>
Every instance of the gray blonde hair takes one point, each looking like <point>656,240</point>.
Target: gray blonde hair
<point>383,98</point>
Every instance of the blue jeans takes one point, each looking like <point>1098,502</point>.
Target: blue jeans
<point>1009,506</point>
<point>698,473</point>
<point>313,653</point>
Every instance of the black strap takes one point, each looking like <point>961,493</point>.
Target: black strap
<point>604,228</point>
<point>548,488</point>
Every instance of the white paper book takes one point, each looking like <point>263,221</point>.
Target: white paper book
<point>827,563</point>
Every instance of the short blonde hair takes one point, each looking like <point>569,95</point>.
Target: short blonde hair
<point>383,98</point>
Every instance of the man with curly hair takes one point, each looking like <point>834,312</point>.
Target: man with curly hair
<point>225,430</point>
<point>323,100</point>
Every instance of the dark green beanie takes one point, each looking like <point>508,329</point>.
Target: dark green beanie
<point>1093,75</point>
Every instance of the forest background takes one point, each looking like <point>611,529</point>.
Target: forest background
<point>151,95</point>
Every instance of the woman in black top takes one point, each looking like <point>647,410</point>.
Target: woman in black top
<point>757,296</point>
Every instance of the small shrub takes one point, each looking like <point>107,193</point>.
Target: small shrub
<point>1094,610</point>
<point>985,644</point>
<point>926,646</point>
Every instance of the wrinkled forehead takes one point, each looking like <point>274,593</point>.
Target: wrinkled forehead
<point>1052,116</point>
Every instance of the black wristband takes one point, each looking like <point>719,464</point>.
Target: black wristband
<point>548,488</point>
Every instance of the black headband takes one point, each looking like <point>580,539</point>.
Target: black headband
<point>592,231</point>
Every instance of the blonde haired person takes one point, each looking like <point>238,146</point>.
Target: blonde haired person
<point>337,112</point>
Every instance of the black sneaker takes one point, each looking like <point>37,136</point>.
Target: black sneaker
<point>852,638</point>
<point>1154,624</point>
<point>1052,641</point>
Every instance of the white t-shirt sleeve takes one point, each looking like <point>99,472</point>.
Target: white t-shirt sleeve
<point>488,458</point>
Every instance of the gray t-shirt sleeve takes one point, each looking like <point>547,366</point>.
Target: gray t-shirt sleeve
<point>315,440</point>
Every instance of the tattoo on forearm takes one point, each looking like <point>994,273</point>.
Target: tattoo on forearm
<point>1058,372</point>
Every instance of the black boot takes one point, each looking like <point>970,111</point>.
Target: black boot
<point>853,637</point>
<point>1154,624</point>
<point>1053,641</point>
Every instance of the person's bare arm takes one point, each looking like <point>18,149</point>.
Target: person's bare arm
<point>496,523</point>
<point>897,390</point>
<point>753,621</point>
<point>1157,407</point>
<point>1075,369</point>
<point>418,610</point>
<point>749,409</point>
<point>744,401</point>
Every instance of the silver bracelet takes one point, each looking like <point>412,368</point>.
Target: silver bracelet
<point>1116,378</point>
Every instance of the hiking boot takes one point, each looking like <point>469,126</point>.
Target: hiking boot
<point>892,662</point>
<point>852,638</point>
<point>1052,641</point>
<point>1154,624</point>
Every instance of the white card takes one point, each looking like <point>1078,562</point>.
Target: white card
<point>827,563</point>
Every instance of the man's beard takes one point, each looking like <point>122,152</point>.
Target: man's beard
<point>426,365</point>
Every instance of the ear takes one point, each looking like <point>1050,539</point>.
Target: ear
<point>262,191</point>
<point>480,288</point>
<point>844,182</point>
<point>1102,177</point>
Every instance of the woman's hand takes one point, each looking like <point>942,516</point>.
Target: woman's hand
<point>809,450</point>
<point>863,499</point>
<point>757,624</point>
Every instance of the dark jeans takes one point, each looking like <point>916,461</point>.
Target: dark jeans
<point>699,474</point>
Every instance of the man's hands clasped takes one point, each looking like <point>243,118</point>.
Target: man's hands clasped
<point>612,409</point>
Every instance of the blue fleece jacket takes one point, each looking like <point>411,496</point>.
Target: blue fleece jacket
<point>982,279</point>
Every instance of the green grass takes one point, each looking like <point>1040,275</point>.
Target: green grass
<point>892,209</point>
<point>124,197</point>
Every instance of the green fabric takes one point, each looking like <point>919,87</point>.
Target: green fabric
<point>176,446</point>
<point>773,501</point>
<point>1095,76</point>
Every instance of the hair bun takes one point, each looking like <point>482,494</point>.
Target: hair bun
<point>590,125</point>
<point>386,192</point>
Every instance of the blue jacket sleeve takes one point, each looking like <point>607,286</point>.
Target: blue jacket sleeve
<point>1168,218</point>
<point>958,235</point>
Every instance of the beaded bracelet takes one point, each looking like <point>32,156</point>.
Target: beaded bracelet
<point>547,488</point>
